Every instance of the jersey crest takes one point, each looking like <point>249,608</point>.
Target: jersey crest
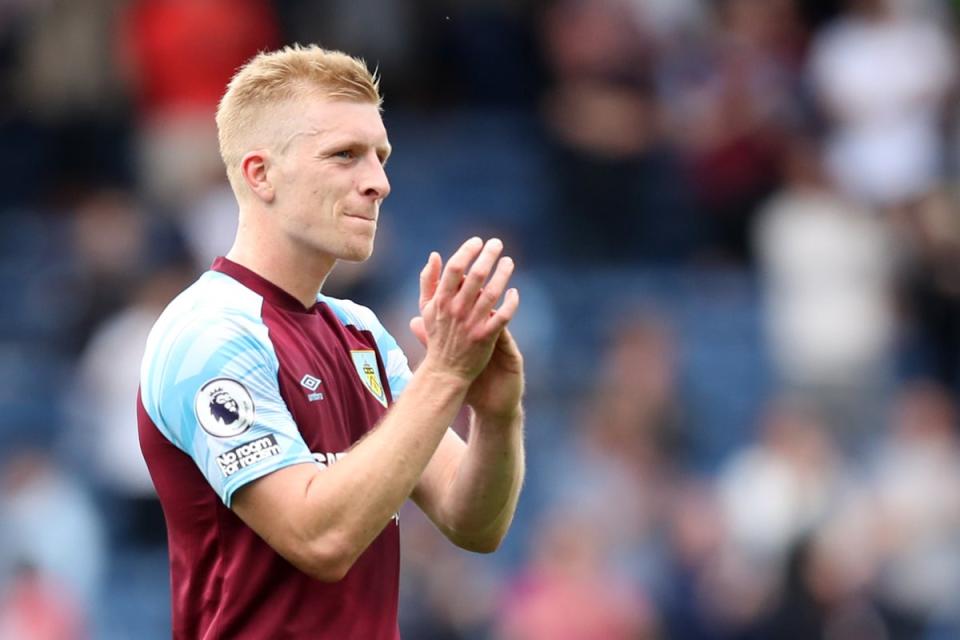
<point>365,362</point>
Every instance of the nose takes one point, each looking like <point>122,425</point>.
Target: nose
<point>373,180</point>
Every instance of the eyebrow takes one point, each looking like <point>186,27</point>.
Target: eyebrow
<point>340,140</point>
<point>348,141</point>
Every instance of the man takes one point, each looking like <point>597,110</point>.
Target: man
<point>271,416</point>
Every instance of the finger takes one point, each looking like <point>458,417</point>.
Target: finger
<point>494,288</point>
<point>418,329</point>
<point>429,278</point>
<point>478,274</point>
<point>502,317</point>
<point>452,276</point>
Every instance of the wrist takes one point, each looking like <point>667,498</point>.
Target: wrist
<point>501,420</point>
<point>444,376</point>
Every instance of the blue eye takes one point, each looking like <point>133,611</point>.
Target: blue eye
<point>346,154</point>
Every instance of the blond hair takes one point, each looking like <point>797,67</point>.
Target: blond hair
<point>274,77</point>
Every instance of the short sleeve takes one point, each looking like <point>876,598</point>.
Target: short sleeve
<point>212,389</point>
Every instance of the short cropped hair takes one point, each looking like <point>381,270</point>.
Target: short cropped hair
<point>274,77</point>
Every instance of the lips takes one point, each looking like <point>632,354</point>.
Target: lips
<point>361,217</point>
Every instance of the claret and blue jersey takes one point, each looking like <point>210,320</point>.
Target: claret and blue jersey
<point>239,380</point>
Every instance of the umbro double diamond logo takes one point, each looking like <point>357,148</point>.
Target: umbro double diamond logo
<point>310,383</point>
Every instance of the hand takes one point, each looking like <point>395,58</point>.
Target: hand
<point>458,323</point>
<point>496,393</point>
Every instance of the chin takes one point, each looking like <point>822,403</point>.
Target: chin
<point>356,254</point>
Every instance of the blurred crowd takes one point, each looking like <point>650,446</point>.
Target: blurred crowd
<point>737,226</point>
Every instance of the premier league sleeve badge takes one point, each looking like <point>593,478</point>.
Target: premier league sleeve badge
<point>224,408</point>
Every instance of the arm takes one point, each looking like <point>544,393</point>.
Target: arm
<point>321,520</point>
<point>470,491</point>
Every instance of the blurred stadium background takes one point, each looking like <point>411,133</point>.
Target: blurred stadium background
<point>736,225</point>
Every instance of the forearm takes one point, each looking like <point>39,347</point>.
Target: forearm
<point>321,520</point>
<point>484,487</point>
<point>364,489</point>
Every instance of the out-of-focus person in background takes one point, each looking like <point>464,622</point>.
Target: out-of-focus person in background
<point>726,102</point>
<point>569,572</point>
<point>108,370</point>
<point>915,471</point>
<point>176,54</point>
<point>53,555</point>
<point>606,147</point>
<point>828,268</point>
<point>882,73</point>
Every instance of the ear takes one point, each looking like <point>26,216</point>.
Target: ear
<point>254,168</point>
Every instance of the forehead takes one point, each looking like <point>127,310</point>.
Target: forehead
<point>324,120</point>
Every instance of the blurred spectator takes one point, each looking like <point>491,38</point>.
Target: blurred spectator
<point>567,593</point>
<point>827,268</point>
<point>107,377</point>
<point>774,495</point>
<point>882,77</point>
<point>617,194</point>
<point>179,56</point>
<point>34,607</point>
<point>727,102</point>
<point>821,598</point>
<point>208,222</point>
<point>694,535</point>
<point>777,490</point>
<point>50,526</point>
<point>636,414</point>
<point>65,114</point>
<point>628,447</point>
<point>916,472</point>
<point>929,236</point>
<point>108,267</point>
<point>68,70</point>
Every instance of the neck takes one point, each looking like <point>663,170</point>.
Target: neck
<point>295,269</point>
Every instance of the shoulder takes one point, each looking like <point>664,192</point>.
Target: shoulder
<point>215,318</point>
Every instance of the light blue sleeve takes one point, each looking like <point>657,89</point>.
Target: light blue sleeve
<point>394,359</point>
<point>210,386</point>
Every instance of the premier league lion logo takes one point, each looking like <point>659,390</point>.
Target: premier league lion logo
<point>224,408</point>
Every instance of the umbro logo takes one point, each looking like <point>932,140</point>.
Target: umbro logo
<point>310,383</point>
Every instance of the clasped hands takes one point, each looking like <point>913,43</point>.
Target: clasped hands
<point>465,333</point>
